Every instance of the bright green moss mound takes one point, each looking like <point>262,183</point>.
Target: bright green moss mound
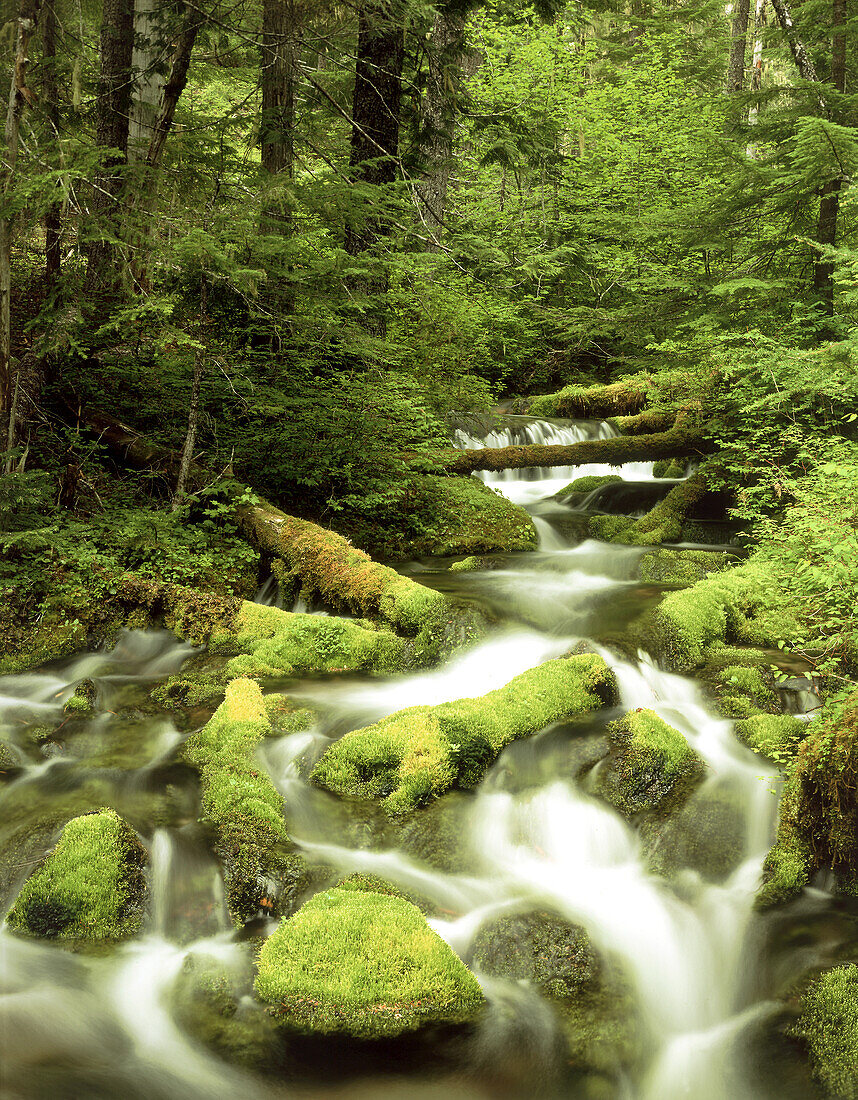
<point>467,565</point>
<point>628,396</point>
<point>90,888</point>
<point>774,736</point>
<point>650,766</point>
<point>363,964</point>
<point>415,755</point>
<point>829,1025</point>
<point>788,867</point>
<point>741,605</point>
<point>663,523</point>
<point>584,485</point>
<point>238,800</point>
<point>271,642</point>
<point>679,566</point>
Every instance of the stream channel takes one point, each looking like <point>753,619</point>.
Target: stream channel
<point>701,971</point>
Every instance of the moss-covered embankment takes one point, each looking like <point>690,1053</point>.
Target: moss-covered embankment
<point>417,754</point>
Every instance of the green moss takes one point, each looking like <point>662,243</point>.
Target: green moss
<point>663,523</point>
<point>371,884</point>
<point>829,1025</point>
<point>286,716</point>
<point>238,800</point>
<point>8,759</point>
<point>788,867</point>
<point>650,766</point>
<point>680,566</point>
<point>467,565</point>
<point>48,642</point>
<point>415,755</point>
<point>363,964</point>
<point>775,736</point>
<point>90,888</point>
<point>627,396</point>
<point>669,468</point>
<point>585,485</point>
<point>81,704</point>
<point>707,834</point>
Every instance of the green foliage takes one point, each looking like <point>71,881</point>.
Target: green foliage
<point>363,964</point>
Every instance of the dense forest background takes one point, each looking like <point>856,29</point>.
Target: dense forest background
<point>290,240</point>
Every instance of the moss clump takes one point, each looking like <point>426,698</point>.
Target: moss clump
<point>417,754</point>
<point>775,736</point>
<point>788,867</point>
<point>742,604</point>
<point>8,760</point>
<point>650,766</point>
<point>363,964</point>
<point>829,1025</point>
<point>628,396</point>
<point>238,800</point>
<point>586,485</point>
<point>467,565</point>
<point>48,642</point>
<point>371,884</point>
<point>668,468</point>
<point>680,566</point>
<point>90,888</point>
<point>285,716</point>
<point>81,703</point>
<point>663,523</point>
<point>269,642</point>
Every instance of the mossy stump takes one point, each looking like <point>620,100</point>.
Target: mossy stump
<point>363,964</point>
<point>90,889</point>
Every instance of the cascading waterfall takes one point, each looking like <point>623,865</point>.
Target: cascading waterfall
<point>535,838</point>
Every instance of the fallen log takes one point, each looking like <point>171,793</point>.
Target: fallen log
<point>679,442</point>
<point>619,398</point>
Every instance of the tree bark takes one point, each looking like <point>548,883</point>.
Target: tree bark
<point>738,46</point>
<point>51,103</point>
<point>147,66</point>
<point>374,156</point>
<point>191,437</point>
<point>437,124</point>
<point>277,120</point>
<point>105,265</point>
<point>829,205</point>
<point>19,96</point>
<point>800,56</point>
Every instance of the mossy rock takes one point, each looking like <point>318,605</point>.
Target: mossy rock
<point>468,565</point>
<point>51,639</point>
<point>663,523</point>
<point>650,767</point>
<point>777,737</point>
<point>708,835</point>
<point>91,888</point>
<point>668,468</point>
<point>366,965</point>
<point>583,486</point>
<point>788,867</point>
<point>240,803</point>
<point>81,704</point>
<point>828,1024</point>
<point>286,716</point>
<point>679,566</point>
<point>9,761</point>
<point>416,755</point>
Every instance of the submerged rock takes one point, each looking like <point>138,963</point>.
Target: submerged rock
<point>829,1025</point>
<point>707,835</point>
<point>417,754</point>
<point>91,887</point>
<point>650,766</point>
<point>81,703</point>
<point>680,566</point>
<point>363,964</point>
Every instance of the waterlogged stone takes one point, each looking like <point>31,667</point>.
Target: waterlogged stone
<point>363,964</point>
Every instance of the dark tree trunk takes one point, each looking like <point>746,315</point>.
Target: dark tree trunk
<point>374,158</point>
<point>829,206</point>
<point>444,52</point>
<point>277,121</point>
<point>738,45</point>
<point>112,116</point>
<point>51,104</point>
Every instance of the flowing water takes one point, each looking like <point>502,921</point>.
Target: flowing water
<point>531,838</point>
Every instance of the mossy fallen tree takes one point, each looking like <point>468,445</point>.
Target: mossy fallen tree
<point>239,801</point>
<point>417,754</point>
<point>90,889</point>
<point>683,440</point>
<point>364,964</point>
<point>620,398</point>
<point>663,523</point>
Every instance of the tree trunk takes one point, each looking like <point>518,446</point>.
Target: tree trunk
<point>147,62</point>
<point>437,125</point>
<point>374,157</point>
<point>105,265</point>
<point>19,96</point>
<point>829,205</point>
<point>191,437</point>
<point>800,56</point>
<point>51,104</point>
<point>738,44</point>
<point>277,121</point>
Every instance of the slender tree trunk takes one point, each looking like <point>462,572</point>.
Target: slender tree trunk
<point>738,46</point>
<point>374,157</point>
<point>277,122</point>
<point>444,52</point>
<point>51,105</point>
<point>191,437</point>
<point>829,206</point>
<point>105,264</point>
<point>147,66</point>
<point>800,56</point>
<point>19,96</point>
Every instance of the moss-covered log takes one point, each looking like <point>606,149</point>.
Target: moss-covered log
<point>663,523</point>
<point>683,440</point>
<point>620,398</point>
<point>417,754</point>
<point>642,423</point>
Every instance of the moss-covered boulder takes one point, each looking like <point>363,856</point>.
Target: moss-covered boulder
<point>775,736</point>
<point>81,703</point>
<point>627,396</point>
<point>416,754</point>
<point>650,767</point>
<point>581,487</point>
<point>708,834</point>
<point>663,523</point>
<point>664,566</point>
<point>829,1025</point>
<point>468,565</point>
<point>363,964</point>
<point>8,759</point>
<point>92,886</point>
<point>239,801</point>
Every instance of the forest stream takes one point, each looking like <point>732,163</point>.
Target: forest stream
<point>699,972</point>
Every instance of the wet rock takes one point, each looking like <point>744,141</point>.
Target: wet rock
<point>829,1026</point>
<point>650,767</point>
<point>707,835</point>
<point>363,964</point>
<point>9,762</point>
<point>92,886</point>
<point>680,566</point>
<point>81,704</point>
